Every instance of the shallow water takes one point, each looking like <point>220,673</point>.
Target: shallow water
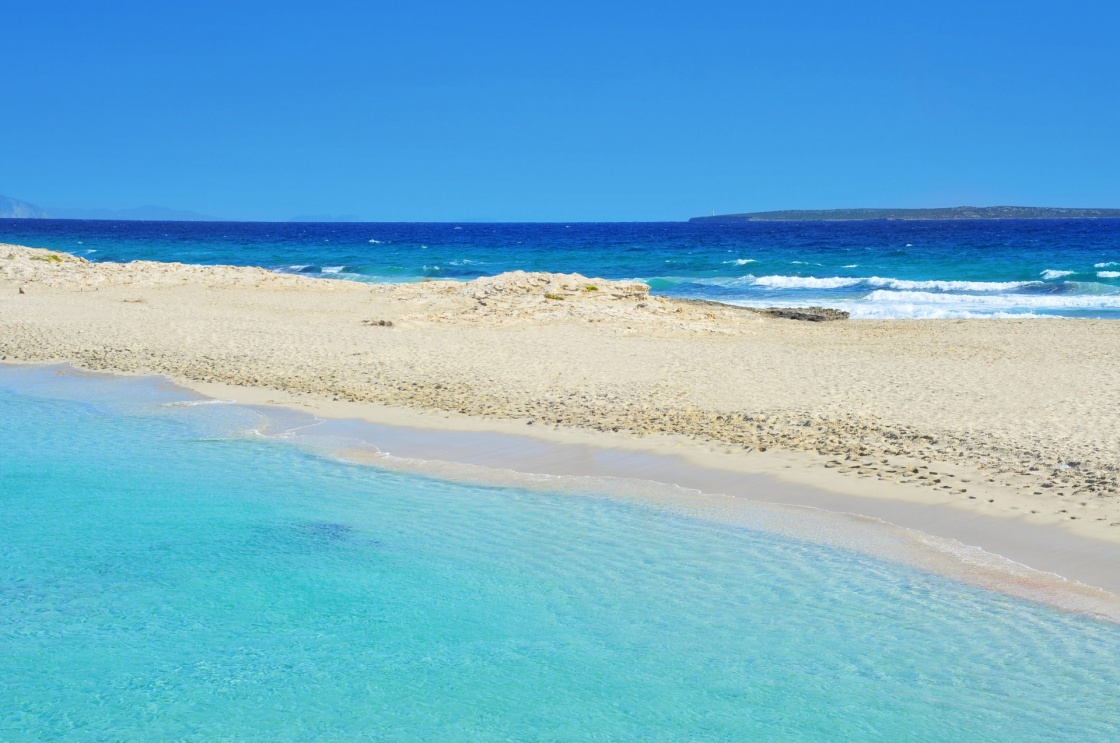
<point>875,269</point>
<point>169,575</point>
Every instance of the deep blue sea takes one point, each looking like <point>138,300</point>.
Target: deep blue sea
<point>168,575</point>
<point>875,269</point>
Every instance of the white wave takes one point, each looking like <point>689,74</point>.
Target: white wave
<point>926,312</point>
<point>375,242</point>
<point>1108,274</point>
<point>742,261</point>
<point>333,269</point>
<point>950,286</point>
<point>851,265</point>
<point>804,282</point>
<point>1106,265</point>
<point>1006,301</point>
<point>1051,273</point>
<point>908,311</point>
<point>840,282</point>
<point>299,267</point>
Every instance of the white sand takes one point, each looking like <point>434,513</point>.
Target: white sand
<point>1008,418</point>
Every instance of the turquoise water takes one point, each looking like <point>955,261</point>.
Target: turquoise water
<point>167,577</point>
<point>873,269</point>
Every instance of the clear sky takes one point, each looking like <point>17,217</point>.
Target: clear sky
<point>415,110</point>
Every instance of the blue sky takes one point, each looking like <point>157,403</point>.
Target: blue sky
<point>564,111</point>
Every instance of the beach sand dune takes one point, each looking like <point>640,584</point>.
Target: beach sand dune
<point>1019,418</point>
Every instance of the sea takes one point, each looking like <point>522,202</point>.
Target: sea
<point>872,269</point>
<point>178,568</point>
<point>171,570</point>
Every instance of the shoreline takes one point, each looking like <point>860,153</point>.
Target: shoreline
<point>772,494</point>
<point>782,478</point>
<point>978,420</point>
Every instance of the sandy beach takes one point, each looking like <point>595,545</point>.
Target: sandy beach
<point>1009,422</point>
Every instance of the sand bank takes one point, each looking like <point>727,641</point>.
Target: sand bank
<point>1015,419</point>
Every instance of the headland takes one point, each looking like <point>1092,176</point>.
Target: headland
<point>945,213</point>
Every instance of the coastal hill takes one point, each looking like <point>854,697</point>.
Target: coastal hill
<point>137,214</point>
<point>15,209</point>
<point>954,212</point>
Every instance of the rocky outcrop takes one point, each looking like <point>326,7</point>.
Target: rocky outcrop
<point>808,314</point>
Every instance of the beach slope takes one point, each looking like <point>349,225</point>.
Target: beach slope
<point>1016,418</point>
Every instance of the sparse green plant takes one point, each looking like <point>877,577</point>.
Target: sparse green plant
<point>49,258</point>
<point>552,296</point>
<point>591,288</point>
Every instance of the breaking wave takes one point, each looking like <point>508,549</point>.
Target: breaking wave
<point>926,312</point>
<point>839,282</point>
<point>1008,301</point>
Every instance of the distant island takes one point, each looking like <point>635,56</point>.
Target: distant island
<point>953,212</point>
<point>135,214</point>
<point>15,209</point>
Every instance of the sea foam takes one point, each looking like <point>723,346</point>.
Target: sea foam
<point>1009,301</point>
<point>804,282</point>
<point>935,312</point>
<point>840,282</point>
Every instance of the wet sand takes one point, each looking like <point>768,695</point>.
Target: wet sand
<point>721,485</point>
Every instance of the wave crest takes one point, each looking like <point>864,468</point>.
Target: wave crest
<point>1008,301</point>
<point>1051,273</point>
<point>840,282</point>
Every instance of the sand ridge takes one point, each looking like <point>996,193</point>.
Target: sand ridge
<point>1011,417</point>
